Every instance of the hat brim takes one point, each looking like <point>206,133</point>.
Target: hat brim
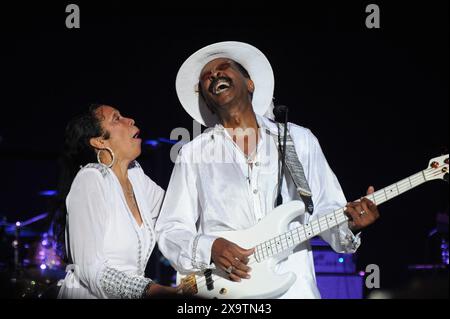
<point>252,59</point>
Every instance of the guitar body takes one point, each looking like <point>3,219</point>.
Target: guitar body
<point>264,282</point>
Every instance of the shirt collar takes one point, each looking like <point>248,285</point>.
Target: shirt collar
<point>268,125</point>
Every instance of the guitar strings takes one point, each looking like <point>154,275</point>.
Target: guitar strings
<point>416,178</point>
<point>413,179</point>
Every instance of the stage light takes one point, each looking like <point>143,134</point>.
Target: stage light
<point>160,140</point>
<point>18,224</point>
<point>152,143</point>
<point>43,266</point>
<point>341,260</point>
<point>167,141</point>
<point>48,193</point>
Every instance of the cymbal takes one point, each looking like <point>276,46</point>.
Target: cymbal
<point>23,226</point>
<point>23,232</point>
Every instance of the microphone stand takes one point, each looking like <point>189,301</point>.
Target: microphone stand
<point>283,155</point>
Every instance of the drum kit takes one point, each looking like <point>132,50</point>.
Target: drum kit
<point>30,265</point>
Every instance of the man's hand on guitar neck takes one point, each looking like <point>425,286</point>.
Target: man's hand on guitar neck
<point>231,258</point>
<point>362,213</point>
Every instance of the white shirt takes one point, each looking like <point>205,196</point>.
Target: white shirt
<point>207,195</point>
<point>109,250</point>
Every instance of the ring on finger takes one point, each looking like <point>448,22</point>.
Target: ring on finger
<point>229,270</point>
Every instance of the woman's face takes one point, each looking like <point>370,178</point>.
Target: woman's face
<point>123,134</point>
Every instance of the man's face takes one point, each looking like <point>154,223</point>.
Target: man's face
<point>221,83</point>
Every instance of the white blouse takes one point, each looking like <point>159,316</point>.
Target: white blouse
<point>213,188</point>
<point>108,249</point>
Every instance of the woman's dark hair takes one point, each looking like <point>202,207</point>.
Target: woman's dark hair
<point>77,152</point>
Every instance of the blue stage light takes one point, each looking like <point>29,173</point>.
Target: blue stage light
<point>167,141</point>
<point>152,143</point>
<point>341,260</point>
<point>49,192</point>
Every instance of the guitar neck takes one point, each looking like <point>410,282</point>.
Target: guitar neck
<point>290,239</point>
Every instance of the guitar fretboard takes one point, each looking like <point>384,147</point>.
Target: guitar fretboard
<point>290,239</point>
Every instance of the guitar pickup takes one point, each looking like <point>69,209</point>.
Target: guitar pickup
<point>209,280</point>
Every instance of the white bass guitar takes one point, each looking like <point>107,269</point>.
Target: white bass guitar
<point>273,241</point>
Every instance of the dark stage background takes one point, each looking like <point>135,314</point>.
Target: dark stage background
<point>376,99</point>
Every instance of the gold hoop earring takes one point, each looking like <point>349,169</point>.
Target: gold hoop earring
<point>110,153</point>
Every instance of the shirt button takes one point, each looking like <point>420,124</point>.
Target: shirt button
<point>255,191</point>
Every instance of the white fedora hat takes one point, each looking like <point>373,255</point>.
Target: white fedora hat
<point>252,59</point>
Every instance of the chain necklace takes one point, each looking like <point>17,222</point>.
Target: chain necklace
<point>130,193</point>
<point>141,259</point>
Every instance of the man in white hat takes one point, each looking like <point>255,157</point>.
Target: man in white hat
<point>227,178</point>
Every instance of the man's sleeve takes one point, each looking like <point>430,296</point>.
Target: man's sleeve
<point>328,197</point>
<point>178,238</point>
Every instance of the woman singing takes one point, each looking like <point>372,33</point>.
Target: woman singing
<point>110,209</point>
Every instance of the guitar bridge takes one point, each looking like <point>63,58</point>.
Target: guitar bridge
<point>189,284</point>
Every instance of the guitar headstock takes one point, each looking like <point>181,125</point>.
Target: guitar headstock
<point>438,168</point>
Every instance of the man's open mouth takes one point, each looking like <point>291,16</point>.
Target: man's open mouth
<point>219,85</point>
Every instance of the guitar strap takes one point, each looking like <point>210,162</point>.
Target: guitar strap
<point>295,168</point>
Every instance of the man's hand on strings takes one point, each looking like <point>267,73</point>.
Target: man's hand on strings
<point>231,258</point>
<point>362,213</point>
